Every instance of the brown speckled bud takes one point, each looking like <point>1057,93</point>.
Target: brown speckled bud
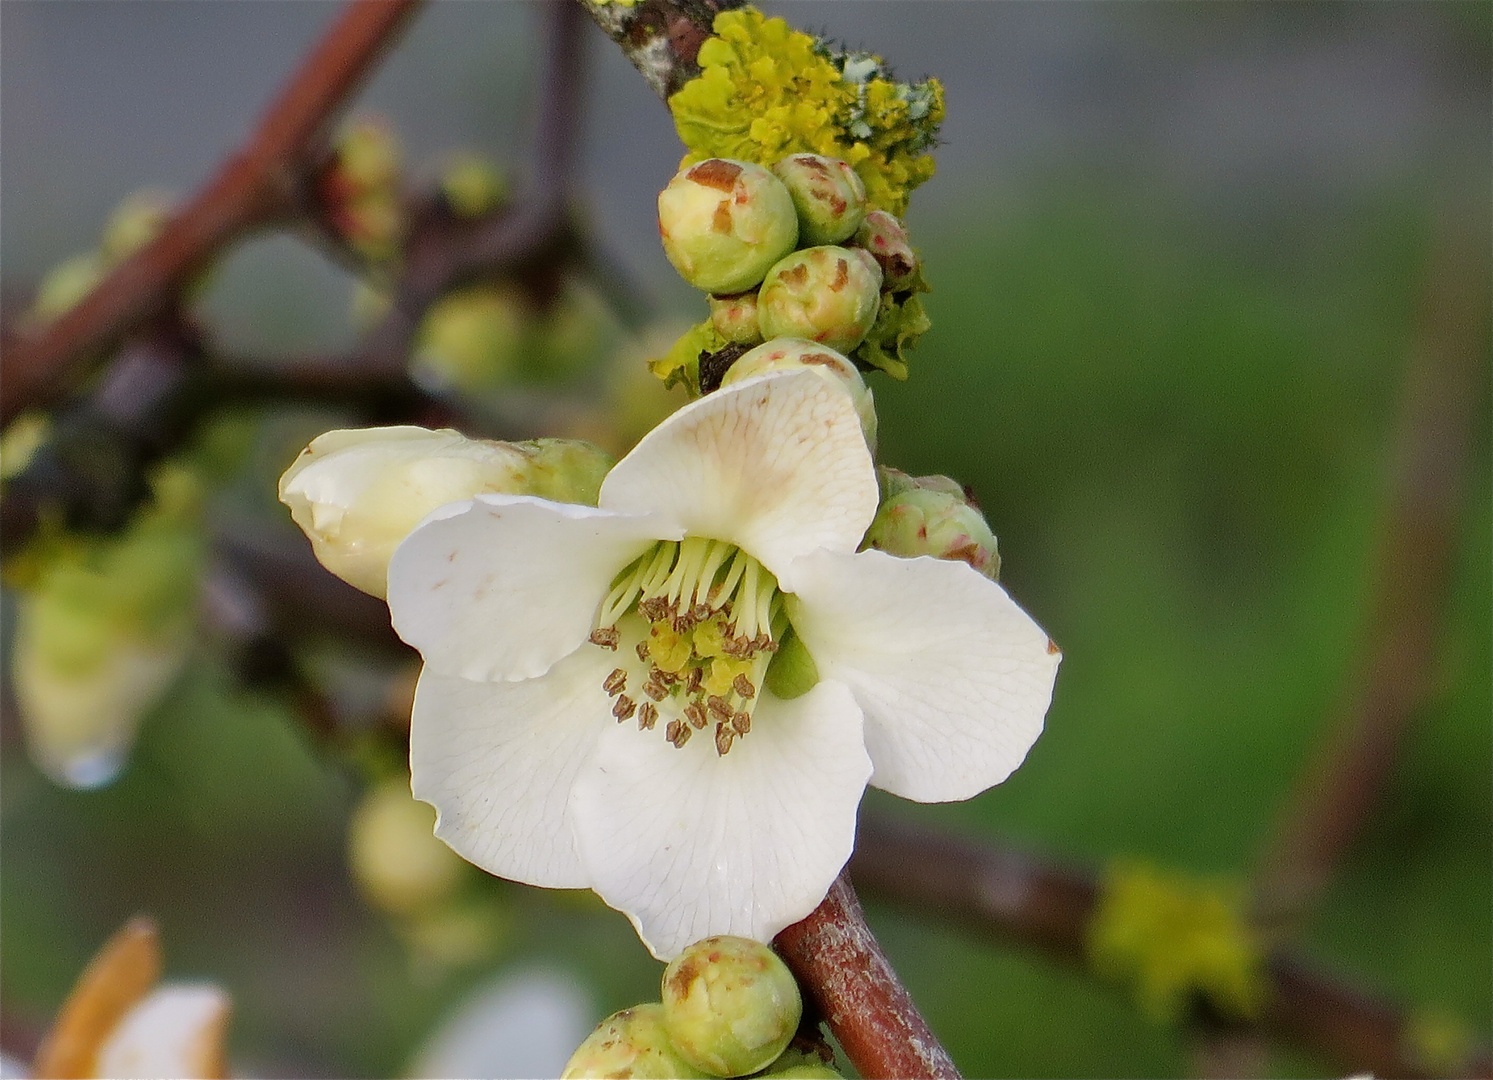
<point>723,223</point>
<point>931,515</point>
<point>826,294</point>
<point>631,1043</point>
<point>828,195</point>
<point>730,1005</point>
<point>886,240</point>
<point>735,317</point>
<point>790,354</point>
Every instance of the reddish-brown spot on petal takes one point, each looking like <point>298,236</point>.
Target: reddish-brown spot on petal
<point>795,275</point>
<point>842,275</point>
<point>720,221</point>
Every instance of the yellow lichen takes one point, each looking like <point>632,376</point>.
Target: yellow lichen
<point>1174,938</point>
<point>766,91</point>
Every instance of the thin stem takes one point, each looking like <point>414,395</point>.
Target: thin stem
<point>661,38</point>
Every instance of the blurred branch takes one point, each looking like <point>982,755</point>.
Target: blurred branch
<point>255,187</point>
<point>661,38</point>
<point>836,958</point>
<point>996,891</point>
<point>1445,380</point>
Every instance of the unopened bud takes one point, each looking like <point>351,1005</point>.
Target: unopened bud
<point>826,294</point>
<point>472,185</point>
<point>730,1005</point>
<point>358,493</point>
<point>790,354</point>
<point>885,239</point>
<point>931,515</point>
<point>828,195</point>
<point>802,1072</point>
<point>735,317</point>
<point>472,339</point>
<point>368,155</point>
<point>724,223</point>
<point>134,223</point>
<point>631,1043</point>
<point>566,470</point>
<point>396,858</point>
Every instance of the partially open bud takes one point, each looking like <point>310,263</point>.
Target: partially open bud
<point>884,237</point>
<point>631,1043</point>
<point>358,493</point>
<point>396,858</point>
<point>828,195</point>
<point>930,515</point>
<point>792,353</point>
<point>730,1005</point>
<point>723,223</point>
<point>735,317</point>
<point>826,294</point>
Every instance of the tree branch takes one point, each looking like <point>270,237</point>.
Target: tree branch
<point>1444,381</point>
<point>254,188</point>
<point>996,891</point>
<point>661,38</point>
<point>835,956</point>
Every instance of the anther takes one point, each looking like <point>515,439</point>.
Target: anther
<point>695,714</point>
<point>743,686</point>
<point>662,677</point>
<point>647,716</point>
<point>723,737</point>
<point>742,722</point>
<point>654,690</point>
<point>718,708</point>
<point>615,683</point>
<point>605,636</point>
<point>696,677</point>
<point>641,648</point>
<point>700,612</point>
<point>623,708</point>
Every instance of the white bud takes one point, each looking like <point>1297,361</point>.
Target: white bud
<point>358,493</point>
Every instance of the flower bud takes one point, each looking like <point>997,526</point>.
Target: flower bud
<point>735,317</point>
<point>396,858</point>
<point>631,1043</point>
<point>566,470</point>
<point>792,353</point>
<point>358,493</point>
<point>472,185</point>
<point>803,1072</point>
<point>930,515</point>
<point>134,223</point>
<point>723,223</point>
<point>826,294</point>
<point>730,1005</point>
<point>828,195</point>
<point>885,239</point>
<point>472,339</point>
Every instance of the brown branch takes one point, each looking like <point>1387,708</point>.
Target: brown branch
<point>661,38</point>
<point>1444,381</point>
<point>995,891</point>
<point>835,956</point>
<point>254,188</point>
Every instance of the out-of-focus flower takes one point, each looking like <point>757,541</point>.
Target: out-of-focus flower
<point>572,653</point>
<point>523,1024</point>
<point>118,1022</point>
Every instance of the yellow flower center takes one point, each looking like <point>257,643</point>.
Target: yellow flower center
<point>695,623</point>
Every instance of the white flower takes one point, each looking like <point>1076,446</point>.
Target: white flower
<point>678,698</point>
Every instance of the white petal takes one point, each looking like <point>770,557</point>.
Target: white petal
<point>175,1031</point>
<point>503,586</point>
<point>953,677</point>
<point>776,465</point>
<point>689,844</point>
<point>498,760</point>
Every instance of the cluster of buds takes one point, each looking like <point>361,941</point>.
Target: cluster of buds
<point>730,1008</point>
<point>788,252</point>
<point>133,223</point>
<point>359,187</point>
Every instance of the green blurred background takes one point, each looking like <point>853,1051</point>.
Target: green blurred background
<point>1178,255</point>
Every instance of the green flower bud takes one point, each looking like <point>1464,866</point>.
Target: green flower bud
<point>64,285</point>
<point>828,195</point>
<point>723,223</point>
<point>472,185</point>
<point>885,239</point>
<point>803,1072</point>
<point>826,294</point>
<point>367,155</point>
<point>730,1005</point>
<point>735,317</point>
<point>792,353</point>
<point>395,856</point>
<point>930,515</point>
<point>134,223</point>
<point>357,494</point>
<point>631,1043</point>
<point>472,339</point>
<point>566,470</point>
